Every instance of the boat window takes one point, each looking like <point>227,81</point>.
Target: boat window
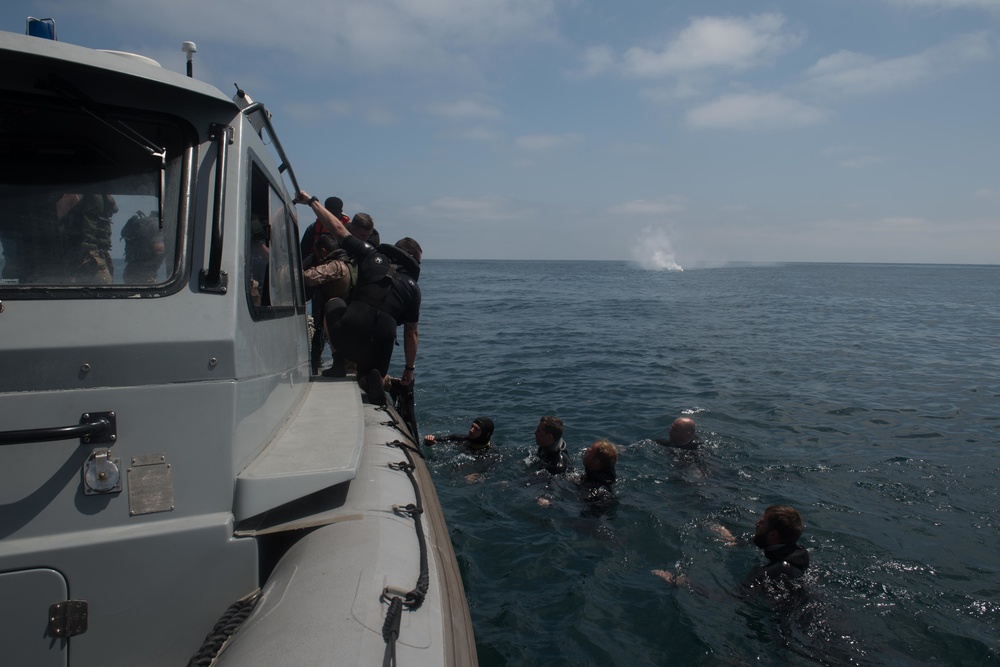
<point>81,200</point>
<point>272,275</point>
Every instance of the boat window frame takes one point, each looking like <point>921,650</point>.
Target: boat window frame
<point>177,276</point>
<point>297,306</point>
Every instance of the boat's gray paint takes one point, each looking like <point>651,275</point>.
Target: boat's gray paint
<point>375,549</point>
<point>227,403</point>
<point>297,462</point>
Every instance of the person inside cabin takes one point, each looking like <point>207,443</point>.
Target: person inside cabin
<point>260,260</point>
<point>144,248</point>
<point>551,446</point>
<point>85,234</point>
<point>776,533</point>
<point>385,296</point>
<point>682,435</point>
<point>478,439</point>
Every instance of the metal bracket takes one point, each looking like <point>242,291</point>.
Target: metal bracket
<point>67,618</point>
<point>221,288</point>
<point>218,130</point>
<point>108,435</point>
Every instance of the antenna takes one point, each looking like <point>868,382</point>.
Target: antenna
<point>189,48</point>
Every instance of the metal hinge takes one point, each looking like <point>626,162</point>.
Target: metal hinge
<point>68,618</point>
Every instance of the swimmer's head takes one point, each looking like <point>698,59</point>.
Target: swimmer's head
<point>681,431</point>
<point>602,455</point>
<point>481,431</point>
<point>779,524</point>
<point>548,432</point>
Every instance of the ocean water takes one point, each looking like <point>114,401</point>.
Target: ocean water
<point>867,396</point>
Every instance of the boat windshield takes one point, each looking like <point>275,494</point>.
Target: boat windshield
<point>87,199</point>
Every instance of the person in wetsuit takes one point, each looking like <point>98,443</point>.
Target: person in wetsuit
<point>682,435</point>
<point>385,295</point>
<point>776,532</point>
<point>551,446</point>
<point>478,439</point>
<point>599,461</point>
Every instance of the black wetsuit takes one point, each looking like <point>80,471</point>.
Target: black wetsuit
<point>554,458</point>
<point>784,563</point>
<point>595,478</point>
<point>691,444</point>
<point>385,296</point>
<point>480,444</point>
<point>464,439</point>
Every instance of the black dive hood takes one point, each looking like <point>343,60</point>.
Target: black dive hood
<point>402,259</point>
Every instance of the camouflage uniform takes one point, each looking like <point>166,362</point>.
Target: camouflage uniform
<point>86,235</point>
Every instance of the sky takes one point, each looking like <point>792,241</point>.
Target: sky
<point>674,134</point>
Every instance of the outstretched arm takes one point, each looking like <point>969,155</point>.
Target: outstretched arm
<point>670,577</point>
<point>327,220</point>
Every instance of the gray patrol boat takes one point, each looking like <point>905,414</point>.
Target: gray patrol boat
<point>178,489</point>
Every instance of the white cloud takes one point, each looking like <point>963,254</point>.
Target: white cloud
<point>337,35</point>
<point>727,43</point>
<point>949,4</point>
<point>597,60</point>
<point>902,222</point>
<point>545,142</point>
<point>635,148</point>
<point>853,157</point>
<point>684,89</point>
<point>471,210</point>
<point>850,73</point>
<point>381,116</point>
<point>755,111</point>
<point>310,113</point>
<point>862,161</point>
<point>466,109</point>
<point>477,133</point>
<point>659,206</point>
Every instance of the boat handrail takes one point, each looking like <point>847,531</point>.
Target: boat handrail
<point>265,115</point>
<point>214,279</point>
<point>94,428</point>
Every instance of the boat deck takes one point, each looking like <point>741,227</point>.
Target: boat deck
<point>319,447</point>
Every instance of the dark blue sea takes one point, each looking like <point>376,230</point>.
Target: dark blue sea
<point>867,396</point>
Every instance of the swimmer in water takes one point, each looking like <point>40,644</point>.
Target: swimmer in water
<point>478,439</point>
<point>682,435</point>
